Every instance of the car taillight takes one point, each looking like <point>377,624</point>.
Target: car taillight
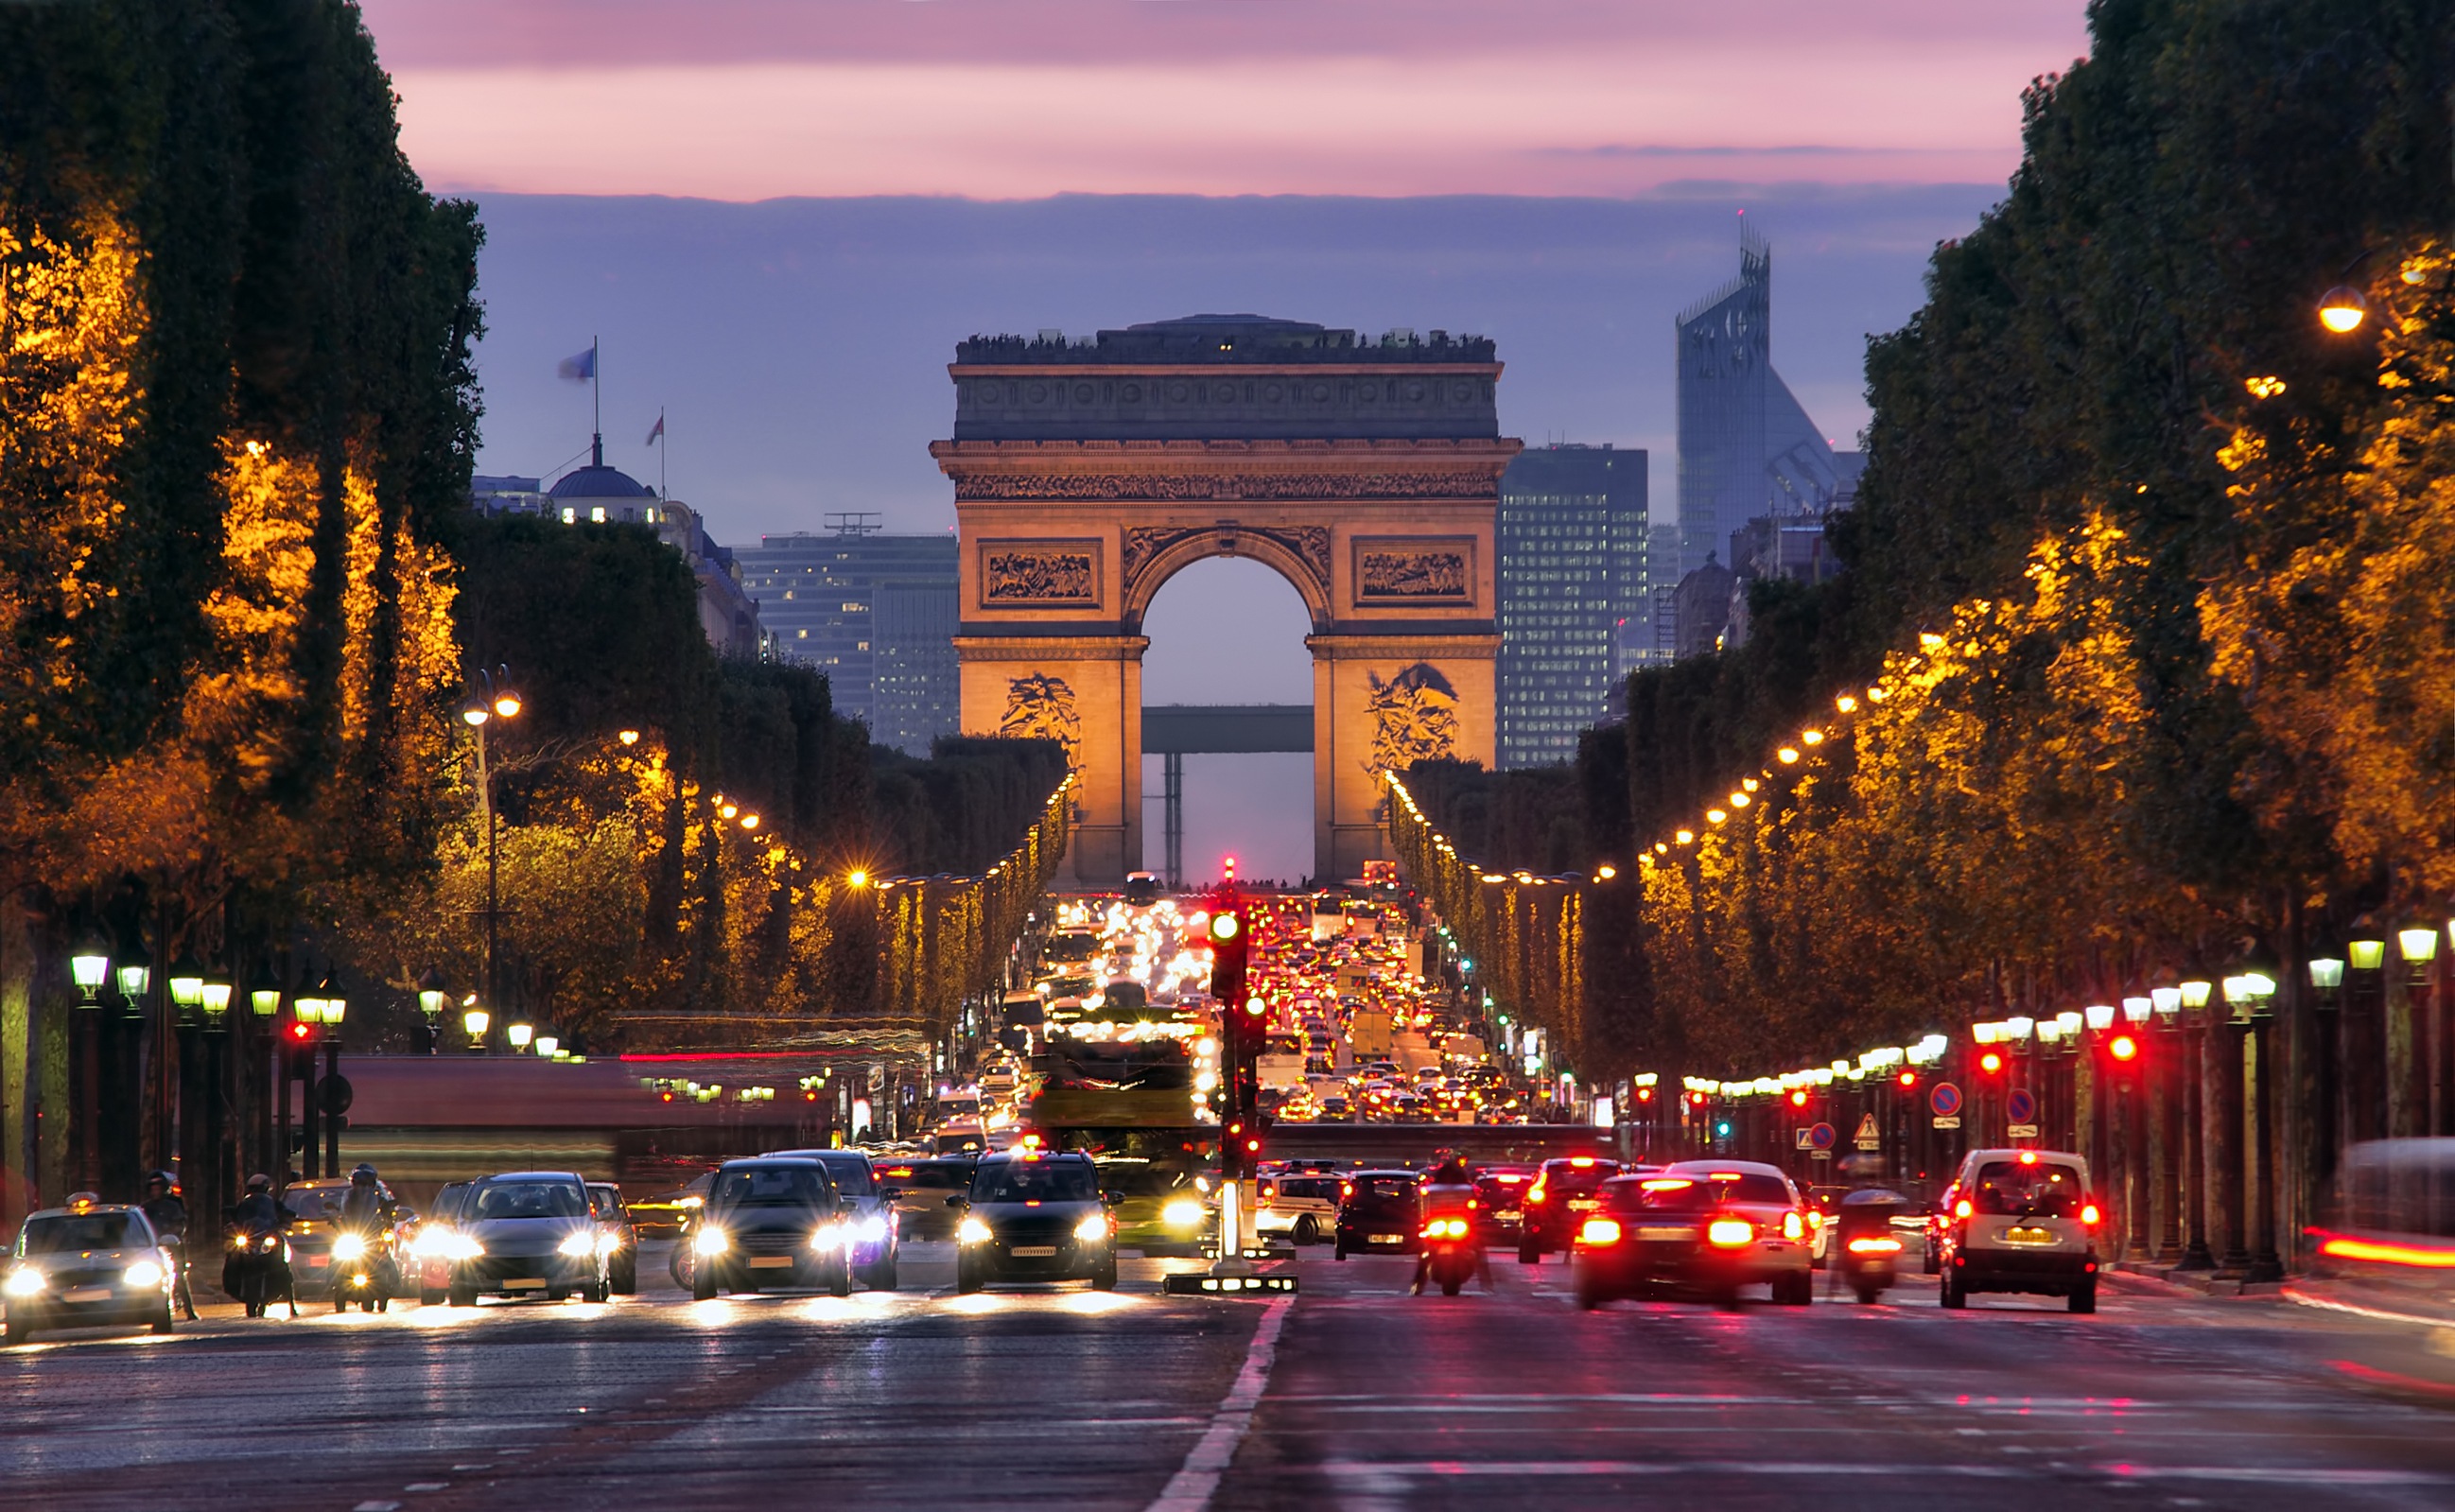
<point>1961,1209</point>
<point>1875,1246</point>
<point>1791,1227</point>
<point>1730,1232</point>
<point>1445,1228</point>
<point>2088,1214</point>
<point>1535,1193</point>
<point>1599,1231</point>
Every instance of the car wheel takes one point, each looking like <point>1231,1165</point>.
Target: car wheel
<point>882,1276</point>
<point>1528,1253</point>
<point>704,1285</point>
<point>2084,1300</point>
<point>1930,1265</point>
<point>840,1278</point>
<point>1954,1296</point>
<point>461,1297</point>
<point>1340,1253</point>
<point>1867,1296</point>
<point>968,1279</point>
<point>162,1322</point>
<point>626,1280</point>
<point>17,1330</point>
<point>1726,1298</point>
<point>1800,1292</point>
<point>557,1294</point>
<point>1306,1231</point>
<point>428,1295</point>
<point>1104,1279</point>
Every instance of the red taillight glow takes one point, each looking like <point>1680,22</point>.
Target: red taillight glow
<point>1582,1161</point>
<point>2339,1247</point>
<point>2028,1156</point>
<point>1961,1209</point>
<point>1729,1233</point>
<point>1534,1193</point>
<point>1793,1226</point>
<point>1599,1231</point>
<point>1445,1228</point>
<point>1875,1246</point>
<point>2088,1214</point>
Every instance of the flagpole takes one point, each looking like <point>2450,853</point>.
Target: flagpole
<point>664,450</point>
<point>597,398</point>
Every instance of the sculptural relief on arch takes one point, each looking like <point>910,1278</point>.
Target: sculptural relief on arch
<point>1367,474</point>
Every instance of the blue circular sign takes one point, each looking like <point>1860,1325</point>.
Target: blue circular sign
<point>1821,1136</point>
<point>2020,1106</point>
<point>1945,1099</point>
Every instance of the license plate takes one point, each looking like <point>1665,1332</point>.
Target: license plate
<point>771,1262</point>
<point>526,1284</point>
<point>86,1294</point>
<point>1582,1205</point>
<point>1662,1233</point>
<point>1508,1214</point>
<point>1388,1238</point>
<point>2029,1235</point>
<point>1034,1251</point>
<point>319,1259</point>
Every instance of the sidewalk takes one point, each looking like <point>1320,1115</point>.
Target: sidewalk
<point>2202,1284</point>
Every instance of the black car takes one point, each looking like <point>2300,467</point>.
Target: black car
<point>872,1221</point>
<point>1035,1218</point>
<point>528,1232</point>
<point>1381,1212</point>
<point>772,1222</point>
<point>1563,1195</point>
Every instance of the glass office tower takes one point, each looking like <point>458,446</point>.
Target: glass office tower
<point>1573,601</point>
<point>876,613</point>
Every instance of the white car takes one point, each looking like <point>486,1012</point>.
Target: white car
<point>1301,1204</point>
<point>2021,1220</point>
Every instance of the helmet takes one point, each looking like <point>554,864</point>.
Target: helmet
<point>259,1182</point>
<point>160,1179</point>
<point>362,1172</point>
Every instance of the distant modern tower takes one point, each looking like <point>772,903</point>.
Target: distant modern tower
<point>1747,451</point>
<point>1572,585</point>
<point>876,613</point>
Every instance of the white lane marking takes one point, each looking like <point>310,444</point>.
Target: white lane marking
<point>1191,1488</point>
<point>1388,1474</point>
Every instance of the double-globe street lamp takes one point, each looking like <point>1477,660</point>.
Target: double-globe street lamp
<point>491,697</point>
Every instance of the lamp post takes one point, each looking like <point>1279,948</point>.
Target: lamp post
<point>431,996</point>
<point>2363,1035</point>
<point>2326,992</point>
<point>330,1095</point>
<point>2417,944</point>
<point>474,1019</point>
<point>491,699</point>
<point>2259,997</point>
<point>2165,1111</point>
<point>91,967</point>
<point>2199,1200</point>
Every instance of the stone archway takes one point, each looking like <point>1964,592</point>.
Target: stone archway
<point>1088,475</point>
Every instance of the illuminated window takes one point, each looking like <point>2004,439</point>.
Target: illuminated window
<point>597,515</point>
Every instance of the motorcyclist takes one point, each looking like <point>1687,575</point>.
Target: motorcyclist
<point>169,1215</point>
<point>251,1274</point>
<point>368,1212</point>
<point>1449,1192</point>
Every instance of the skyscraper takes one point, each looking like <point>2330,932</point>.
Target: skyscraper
<point>1747,450</point>
<point>876,613</point>
<point>1572,553</point>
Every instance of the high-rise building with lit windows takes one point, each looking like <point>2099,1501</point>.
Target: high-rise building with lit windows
<point>876,613</point>
<point>1574,610</point>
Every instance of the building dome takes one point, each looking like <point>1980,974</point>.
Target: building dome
<point>599,482</point>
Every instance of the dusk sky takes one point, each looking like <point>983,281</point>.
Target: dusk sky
<point>781,215</point>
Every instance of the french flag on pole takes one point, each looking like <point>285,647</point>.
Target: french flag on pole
<point>582,368</point>
<point>658,432</point>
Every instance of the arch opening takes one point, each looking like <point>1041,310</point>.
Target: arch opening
<point>1230,630</point>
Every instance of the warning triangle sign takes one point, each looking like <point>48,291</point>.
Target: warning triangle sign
<point>1866,1128</point>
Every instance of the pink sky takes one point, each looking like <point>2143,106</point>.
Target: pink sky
<point>749,99</point>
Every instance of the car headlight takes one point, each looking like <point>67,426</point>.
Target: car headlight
<point>349,1247</point>
<point>972,1230</point>
<point>144,1274</point>
<point>25,1282</point>
<point>871,1230</point>
<point>461,1247</point>
<point>582,1242</point>
<point>1092,1229</point>
<point>1181,1214</point>
<point>710,1242</point>
<point>830,1237</point>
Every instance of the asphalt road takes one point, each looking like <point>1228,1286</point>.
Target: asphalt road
<point>1354,1395</point>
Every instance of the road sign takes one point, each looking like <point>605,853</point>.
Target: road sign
<point>1945,1100</point>
<point>1804,1138</point>
<point>2021,1105</point>
<point>1821,1137</point>
<point>1868,1137</point>
<point>1942,1122</point>
<point>2022,1131</point>
<point>1822,1155</point>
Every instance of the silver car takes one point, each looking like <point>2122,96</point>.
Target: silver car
<point>87,1265</point>
<point>526,1233</point>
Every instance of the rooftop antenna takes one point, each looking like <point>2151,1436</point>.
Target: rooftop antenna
<point>855,522</point>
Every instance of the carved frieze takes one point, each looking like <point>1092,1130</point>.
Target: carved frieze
<point>1461,483</point>
<point>1399,569</point>
<point>1035,574</point>
<point>1040,706</point>
<point>1309,544</point>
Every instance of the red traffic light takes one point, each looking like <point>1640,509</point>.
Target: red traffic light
<point>302,1030</point>
<point>1798,1099</point>
<point>2123,1047</point>
<point>1990,1063</point>
<point>1909,1078</point>
<point>1255,1008</point>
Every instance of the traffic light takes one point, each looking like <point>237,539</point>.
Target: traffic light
<point>1228,944</point>
<point>1990,1063</point>
<point>2122,1047</point>
<point>1909,1078</point>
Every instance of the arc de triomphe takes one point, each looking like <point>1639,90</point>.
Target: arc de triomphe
<point>1086,473</point>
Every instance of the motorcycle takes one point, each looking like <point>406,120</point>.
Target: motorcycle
<point>363,1271</point>
<point>1866,1253</point>
<point>255,1269</point>
<point>1450,1253</point>
<point>175,1246</point>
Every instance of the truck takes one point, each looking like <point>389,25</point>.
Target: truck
<point>1369,1032</point>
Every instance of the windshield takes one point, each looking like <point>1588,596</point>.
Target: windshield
<point>1384,1189</point>
<point>312,1202</point>
<point>1698,1194</point>
<point>75,1231</point>
<point>851,1173</point>
<point>1034,1182</point>
<point>2019,1189</point>
<point>1309,1186</point>
<point>936,1178</point>
<point>773,1186</point>
<point>1562,1177</point>
<point>530,1199</point>
<point>1135,1179</point>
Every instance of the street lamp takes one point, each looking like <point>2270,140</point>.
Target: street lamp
<point>335,1001</point>
<point>215,1001</point>
<point>264,993</point>
<point>2342,307</point>
<point>89,967</point>
<point>2135,1009</point>
<point>187,984</point>
<point>474,1021</point>
<point>135,975</point>
<point>2420,947</point>
<point>2326,979</point>
<point>2101,1017</point>
<point>547,1044</point>
<point>518,1034</point>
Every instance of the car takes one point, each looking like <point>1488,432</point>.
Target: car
<point>876,1242</point>
<point>431,1246</point>
<point>1160,1209</point>
<point>2022,1220</point>
<point>1699,1226</point>
<point>1562,1195</point>
<point>772,1221</point>
<point>622,1263</point>
<point>1500,1198</point>
<point>666,1215</point>
<point>526,1233</point>
<point>919,1190</point>
<point>1380,1212</point>
<point>87,1265</point>
<point>1034,1217</point>
<point>1301,1204</point>
<point>314,1231</point>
